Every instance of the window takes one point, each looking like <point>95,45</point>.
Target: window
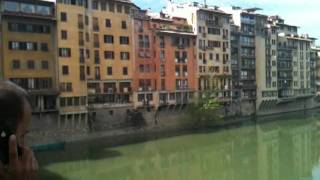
<point>62,102</point>
<point>119,8</point>
<point>124,40</point>
<point>124,25</point>
<point>82,73</point>
<point>88,71</point>
<point>11,6</point>
<point>43,10</point>
<point>95,5</point>
<point>125,71</point>
<point>63,16</point>
<point>108,39</point>
<point>64,52</point>
<point>76,101</point>
<point>16,64</point>
<point>127,9</point>
<point>31,46</point>
<point>44,47</point>
<point>162,55</point>
<point>65,70</point>
<point>27,8</point>
<point>14,45</point>
<point>80,21</point>
<point>44,64</point>
<point>124,55</point>
<point>95,24</point>
<point>109,71</point>
<point>30,64</point>
<point>64,34</point>
<point>108,23</point>
<point>69,103</point>
<point>214,31</point>
<point>109,55</point>
<point>111,6</point>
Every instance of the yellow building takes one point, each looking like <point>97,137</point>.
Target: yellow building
<point>73,52</point>
<point>110,80</point>
<point>95,56</point>
<point>28,50</point>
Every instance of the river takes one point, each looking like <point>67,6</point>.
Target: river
<point>286,148</point>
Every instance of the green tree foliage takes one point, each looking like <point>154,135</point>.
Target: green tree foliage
<point>205,112</point>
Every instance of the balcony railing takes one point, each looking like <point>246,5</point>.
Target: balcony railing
<point>181,60</point>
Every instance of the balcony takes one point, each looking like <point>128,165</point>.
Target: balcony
<point>248,33</point>
<point>181,60</point>
<point>248,21</point>
<point>145,89</point>
<point>248,78</point>
<point>247,44</point>
<point>250,67</point>
<point>213,23</point>
<point>248,55</point>
<point>110,90</point>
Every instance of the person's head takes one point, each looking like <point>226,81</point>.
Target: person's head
<point>15,110</point>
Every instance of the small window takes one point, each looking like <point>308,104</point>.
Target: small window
<point>108,23</point>
<point>16,64</point>
<point>64,52</point>
<point>95,5</point>
<point>124,25</point>
<point>125,71</point>
<point>109,71</point>
<point>119,8</point>
<point>124,40</point>
<point>65,70</point>
<point>127,9</point>
<point>64,34</point>
<point>109,55</point>
<point>108,39</point>
<point>111,6</point>
<point>124,55</point>
<point>44,47</point>
<point>30,64</point>
<point>45,64</point>
<point>63,16</point>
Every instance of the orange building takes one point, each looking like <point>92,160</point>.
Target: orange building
<point>165,65</point>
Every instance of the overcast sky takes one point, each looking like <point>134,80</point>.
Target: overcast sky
<point>305,14</point>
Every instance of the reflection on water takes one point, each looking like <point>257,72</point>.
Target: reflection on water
<point>280,150</point>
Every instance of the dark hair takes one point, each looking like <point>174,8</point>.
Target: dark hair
<point>12,106</point>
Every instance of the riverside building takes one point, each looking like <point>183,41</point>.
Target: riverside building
<point>212,27</point>
<point>28,51</point>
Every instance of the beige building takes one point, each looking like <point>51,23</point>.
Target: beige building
<point>212,27</point>
<point>287,64</point>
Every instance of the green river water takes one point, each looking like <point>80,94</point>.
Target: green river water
<point>285,149</point>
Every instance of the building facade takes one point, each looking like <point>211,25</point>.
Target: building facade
<point>166,69</point>
<point>212,27</point>
<point>28,46</point>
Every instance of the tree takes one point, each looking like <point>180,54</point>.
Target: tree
<point>205,112</point>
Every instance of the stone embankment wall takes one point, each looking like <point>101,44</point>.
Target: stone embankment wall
<point>47,128</point>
